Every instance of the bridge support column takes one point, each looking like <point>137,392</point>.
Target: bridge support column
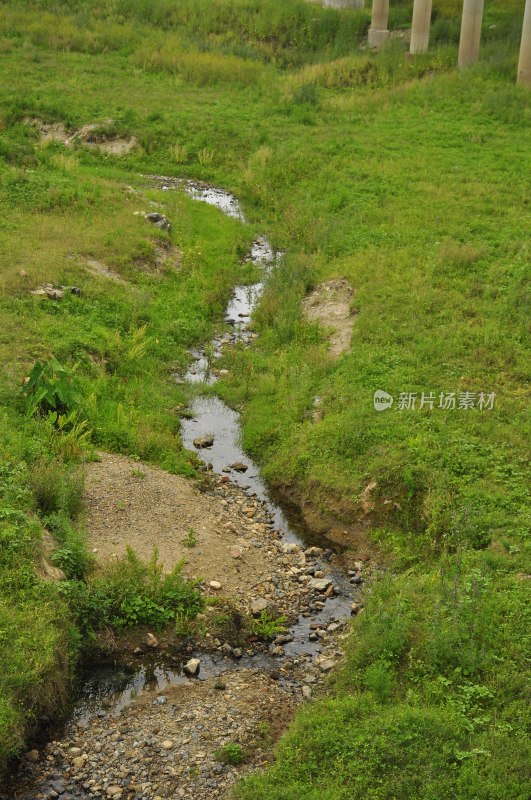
<point>420,27</point>
<point>524,62</point>
<point>470,32</point>
<point>378,32</point>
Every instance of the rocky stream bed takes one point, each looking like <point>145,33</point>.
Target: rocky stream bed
<point>155,723</point>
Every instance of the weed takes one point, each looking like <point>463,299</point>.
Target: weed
<point>190,539</point>
<point>205,156</point>
<point>267,626</point>
<point>72,555</point>
<point>179,153</point>
<point>231,753</point>
<point>56,488</point>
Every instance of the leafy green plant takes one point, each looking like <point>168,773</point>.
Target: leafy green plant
<point>267,626</point>
<point>50,387</point>
<point>232,753</point>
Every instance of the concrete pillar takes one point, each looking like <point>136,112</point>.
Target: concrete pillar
<point>524,62</point>
<point>470,32</point>
<point>378,32</point>
<point>420,27</point>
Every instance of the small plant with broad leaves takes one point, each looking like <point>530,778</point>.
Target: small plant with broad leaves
<point>50,387</point>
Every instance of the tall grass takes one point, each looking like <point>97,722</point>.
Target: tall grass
<point>202,69</point>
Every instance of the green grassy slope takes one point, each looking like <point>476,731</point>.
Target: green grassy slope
<point>403,176</point>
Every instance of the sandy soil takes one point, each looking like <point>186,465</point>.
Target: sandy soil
<point>130,503</point>
<point>330,305</point>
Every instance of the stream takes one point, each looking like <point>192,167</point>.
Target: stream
<point>107,689</point>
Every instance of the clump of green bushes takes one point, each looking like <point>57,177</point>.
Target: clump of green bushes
<point>132,592</point>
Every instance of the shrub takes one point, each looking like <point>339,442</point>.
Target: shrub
<point>231,753</point>
<point>132,592</point>
<point>50,387</point>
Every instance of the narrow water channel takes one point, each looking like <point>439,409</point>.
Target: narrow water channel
<point>107,690</point>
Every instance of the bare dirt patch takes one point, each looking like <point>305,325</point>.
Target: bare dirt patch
<point>101,270</point>
<point>330,306</point>
<point>89,135</point>
<point>130,503</point>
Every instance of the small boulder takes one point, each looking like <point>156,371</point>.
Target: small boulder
<point>151,641</point>
<point>258,605</point>
<point>216,585</point>
<point>319,584</point>
<point>239,466</point>
<point>47,290</point>
<point>159,220</point>
<point>192,667</point>
<point>203,441</point>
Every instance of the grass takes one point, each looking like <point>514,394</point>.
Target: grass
<point>430,702</point>
<point>405,177</point>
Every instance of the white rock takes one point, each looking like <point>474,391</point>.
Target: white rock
<point>192,667</point>
<point>215,585</point>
